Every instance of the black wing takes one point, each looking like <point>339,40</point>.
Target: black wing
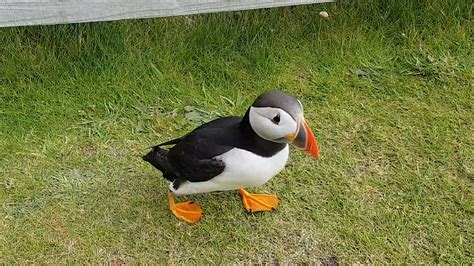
<point>193,156</point>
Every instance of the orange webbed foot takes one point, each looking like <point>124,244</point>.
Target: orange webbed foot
<point>258,202</point>
<point>188,211</point>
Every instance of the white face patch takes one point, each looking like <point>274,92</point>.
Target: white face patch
<point>261,122</point>
<point>301,105</point>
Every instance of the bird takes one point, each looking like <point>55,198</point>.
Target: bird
<point>234,153</point>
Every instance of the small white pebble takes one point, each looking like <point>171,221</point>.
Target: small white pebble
<point>324,14</point>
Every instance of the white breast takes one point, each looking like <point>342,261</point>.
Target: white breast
<point>242,169</point>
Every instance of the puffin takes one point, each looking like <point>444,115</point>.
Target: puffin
<point>234,153</point>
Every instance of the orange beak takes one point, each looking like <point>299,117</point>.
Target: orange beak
<point>305,140</point>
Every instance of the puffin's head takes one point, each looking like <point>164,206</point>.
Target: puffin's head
<point>278,117</point>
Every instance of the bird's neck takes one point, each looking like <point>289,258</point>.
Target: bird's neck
<point>245,123</point>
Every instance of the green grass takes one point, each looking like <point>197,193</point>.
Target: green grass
<point>387,88</point>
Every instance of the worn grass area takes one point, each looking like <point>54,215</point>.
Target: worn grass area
<point>387,88</point>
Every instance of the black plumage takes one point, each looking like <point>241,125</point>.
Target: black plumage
<point>192,158</point>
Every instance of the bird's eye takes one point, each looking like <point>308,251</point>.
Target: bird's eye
<point>276,119</point>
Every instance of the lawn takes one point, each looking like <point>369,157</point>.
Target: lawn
<point>387,87</point>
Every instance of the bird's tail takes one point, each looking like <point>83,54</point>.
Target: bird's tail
<point>157,158</point>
